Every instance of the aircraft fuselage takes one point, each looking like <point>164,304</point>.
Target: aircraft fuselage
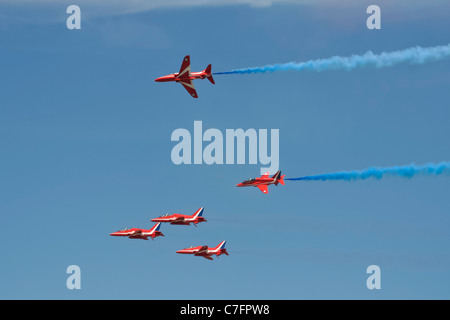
<point>257,182</point>
<point>174,77</point>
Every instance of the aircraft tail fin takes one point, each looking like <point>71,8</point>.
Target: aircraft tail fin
<point>220,246</point>
<point>156,227</point>
<point>198,213</point>
<point>209,75</point>
<point>220,249</point>
<point>278,178</point>
<point>276,175</point>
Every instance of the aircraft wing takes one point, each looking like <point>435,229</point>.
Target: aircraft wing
<point>189,86</point>
<point>202,250</point>
<point>185,70</point>
<point>208,257</point>
<point>137,233</point>
<point>266,175</point>
<point>263,188</point>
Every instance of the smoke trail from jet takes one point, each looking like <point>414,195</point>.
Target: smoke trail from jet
<point>409,171</point>
<point>414,55</point>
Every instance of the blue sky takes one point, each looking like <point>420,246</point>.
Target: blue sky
<point>85,150</point>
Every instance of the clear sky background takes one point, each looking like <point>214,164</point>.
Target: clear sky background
<point>85,150</point>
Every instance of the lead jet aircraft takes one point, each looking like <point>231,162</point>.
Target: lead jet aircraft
<point>205,252</point>
<point>182,219</point>
<point>263,182</point>
<point>185,76</point>
<point>136,233</point>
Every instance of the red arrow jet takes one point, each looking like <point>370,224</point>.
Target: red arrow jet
<point>263,182</point>
<point>135,233</point>
<point>185,76</point>
<point>182,219</point>
<point>205,252</point>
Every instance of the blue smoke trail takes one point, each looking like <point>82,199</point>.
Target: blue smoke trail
<point>378,173</point>
<point>414,55</point>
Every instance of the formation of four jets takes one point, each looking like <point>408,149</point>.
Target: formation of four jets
<point>182,219</point>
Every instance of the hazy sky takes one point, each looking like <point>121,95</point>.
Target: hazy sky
<point>85,151</point>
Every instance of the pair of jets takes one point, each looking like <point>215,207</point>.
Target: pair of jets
<point>185,77</point>
<point>175,219</point>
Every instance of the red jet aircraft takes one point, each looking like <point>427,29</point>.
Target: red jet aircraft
<point>205,252</point>
<point>263,182</point>
<point>185,76</point>
<point>182,219</point>
<point>135,233</point>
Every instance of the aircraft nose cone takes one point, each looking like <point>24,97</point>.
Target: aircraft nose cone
<point>239,185</point>
<point>165,78</point>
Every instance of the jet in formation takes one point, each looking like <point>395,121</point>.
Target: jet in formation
<point>185,76</point>
<point>205,251</point>
<point>136,233</point>
<point>182,219</point>
<point>263,182</point>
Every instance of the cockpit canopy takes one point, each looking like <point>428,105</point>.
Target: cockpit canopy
<point>250,180</point>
